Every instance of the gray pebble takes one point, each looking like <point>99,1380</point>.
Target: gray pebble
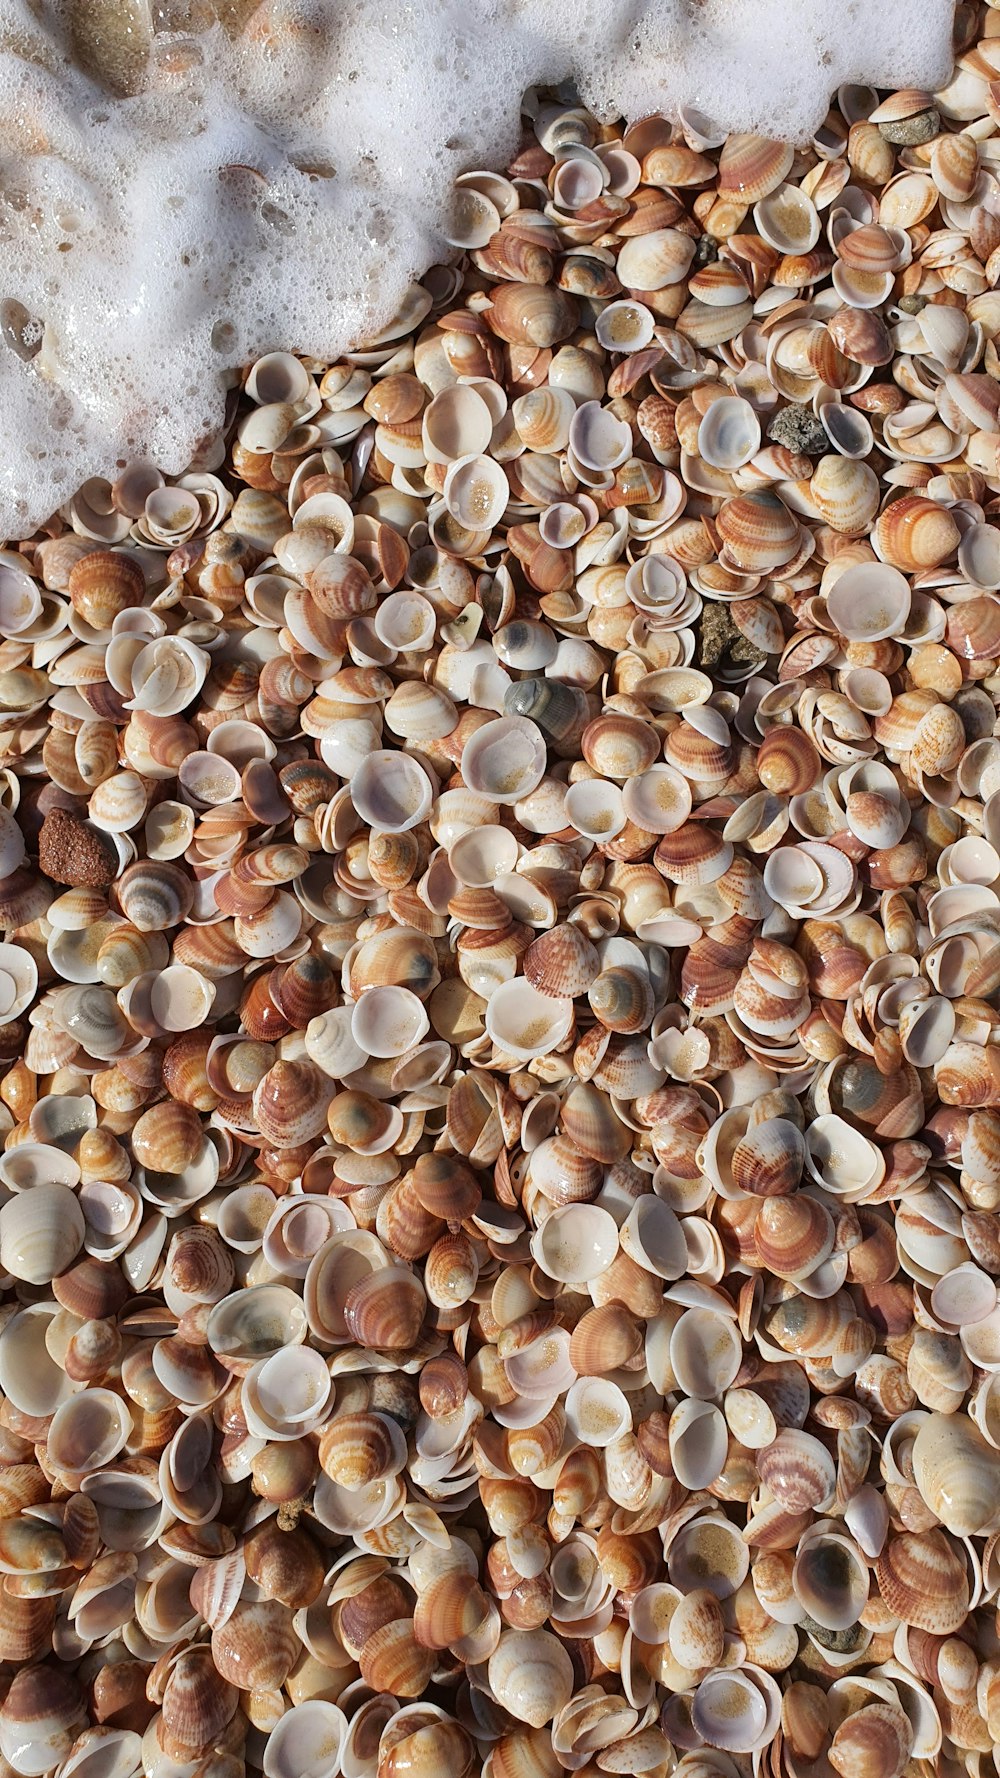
<point>906,132</point>
<point>797,428</point>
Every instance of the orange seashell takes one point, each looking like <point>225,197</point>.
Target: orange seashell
<point>914,533</point>
<point>168,1137</point>
<point>392,1660</point>
<point>103,585</point>
<point>752,166</point>
<point>451,1607</point>
<point>531,314</point>
<point>759,532</point>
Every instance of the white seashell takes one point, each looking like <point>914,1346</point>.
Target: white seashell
<point>504,760</point>
<point>575,1243</point>
<point>88,1430</point>
<point>597,1412</point>
<point>181,998</point>
<point>287,1395</point>
<point>388,1021</point>
<point>658,800</point>
<point>166,675</point>
<point>476,492</point>
<point>653,1236</point>
<point>787,220</point>
<point>391,791</point>
<point>525,1023</point>
<point>705,1353</point>
<point>729,434</point>
<point>597,439</point>
<point>656,260</point>
<point>18,981</point>
<point>595,808</point>
<point>41,1232</point>
<point>29,1376</point>
<point>306,1742</point>
<point>699,1442</point>
<point>869,602</point>
<point>456,424</point>
<point>624,327</point>
<point>406,621</point>
<point>964,1295</point>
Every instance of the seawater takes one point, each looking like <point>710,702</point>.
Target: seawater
<point>187,184</point>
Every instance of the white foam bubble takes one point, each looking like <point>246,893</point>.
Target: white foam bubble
<point>279,183</point>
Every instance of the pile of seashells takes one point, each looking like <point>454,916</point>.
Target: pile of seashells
<point>500,867</point>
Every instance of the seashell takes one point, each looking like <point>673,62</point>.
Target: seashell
<point>309,1737</point>
<point>505,760</point>
<point>40,1718</point>
<point>923,1581</point>
<point>619,747</point>
<point>531,1674</point>
<point>561,963</point>
<point>41,1232</point>
<point>729,434</point>
<point>954,1472</point>
<point>845,493</point>
<point>654,261</point>
<point>759,533</point>
<point>575,1243</point>
<point>532,314</point>
<point>914,533</point>
<point>869,602</point>
<point>524,1023</point>
<point>752,166</point>
<point>256,1645</point>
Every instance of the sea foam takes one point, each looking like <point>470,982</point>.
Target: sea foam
<point>189,183</point>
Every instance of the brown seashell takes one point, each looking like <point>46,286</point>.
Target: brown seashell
<point>562,962</point>
<point>923,1581</point>
<point>787,761</point>
<point>284,1564</point>
<point>592,1125</point>
<point>603,1340</point>
<point>752,166</point>
<point>25,1627</point>
<point>197,1702</point>
<point>446,1187</point>
<point>444,1385</point>
<point>760,533</point>
<point>256,1647</point>
<point>386,1309</point>
<point>41,1714</point>
<point>974,629</point>
<point>622,999</point>
<point>290,1103</point>
<point>861,335</point>
<point>451,1271</point>
<point>768,1163</point>
<point>874,1742</point>
<point>92,1289</point>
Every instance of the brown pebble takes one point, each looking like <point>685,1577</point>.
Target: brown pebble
<point>71,852</point>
